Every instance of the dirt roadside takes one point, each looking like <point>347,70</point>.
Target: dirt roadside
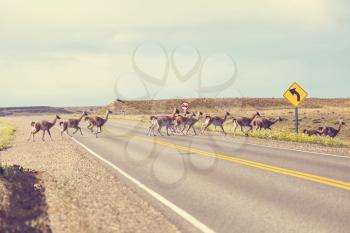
<point>81,194</point>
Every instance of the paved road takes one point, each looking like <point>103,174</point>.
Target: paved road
<point>232,186</point>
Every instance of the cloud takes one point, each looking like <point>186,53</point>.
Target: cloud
<point>126,14</point>
<point>82,45</point>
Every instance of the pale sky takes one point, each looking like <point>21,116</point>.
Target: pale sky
<point>70,53</point>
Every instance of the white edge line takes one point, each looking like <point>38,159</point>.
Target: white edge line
<point>195,222</point>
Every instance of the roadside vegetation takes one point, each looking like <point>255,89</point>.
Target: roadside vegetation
<point>285,136</point>
<point>6,135</point>
<point>281,135</point>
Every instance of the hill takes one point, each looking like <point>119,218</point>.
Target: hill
<point>214,106</point>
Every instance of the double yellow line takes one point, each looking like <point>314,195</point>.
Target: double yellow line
<point>279,170</point>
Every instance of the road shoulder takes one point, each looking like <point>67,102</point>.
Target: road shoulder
<point>82,194</point>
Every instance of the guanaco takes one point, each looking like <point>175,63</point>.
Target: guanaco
<point>216,121</point>
<point>161,121</point>
<point>180,120</point>
<point>263,123</point>
<point>191,121</point>
<point>72,123</point>
<point>98,122</point>
<point>43,125</point>
<point>244,122</point>
<point>332,132</point>
<point>311,132</point>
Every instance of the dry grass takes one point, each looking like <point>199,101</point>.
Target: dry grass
<point>6,135</point>
<point>285,135</point>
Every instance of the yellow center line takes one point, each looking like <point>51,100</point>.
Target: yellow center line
<point>284,171</point>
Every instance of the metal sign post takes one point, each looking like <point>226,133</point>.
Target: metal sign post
<point>296,120</point>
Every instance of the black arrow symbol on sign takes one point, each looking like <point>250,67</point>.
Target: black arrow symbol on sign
<point>294,92</point>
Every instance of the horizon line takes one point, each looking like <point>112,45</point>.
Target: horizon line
<point>112,101</point>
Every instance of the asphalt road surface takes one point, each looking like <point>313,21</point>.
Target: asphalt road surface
<point>229,185</point>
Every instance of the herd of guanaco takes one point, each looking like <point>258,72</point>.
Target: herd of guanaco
<point>45,126</point>
<point>176,123</point>
<point>325,130</point>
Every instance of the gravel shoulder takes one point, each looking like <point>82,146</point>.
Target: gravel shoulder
<point>82,194</point>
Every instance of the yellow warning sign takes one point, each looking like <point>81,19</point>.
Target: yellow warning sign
<point>295,94</point>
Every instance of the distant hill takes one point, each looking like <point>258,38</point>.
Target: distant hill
<point>32,110</point>
<point>39,110</point>
<point>217,105</point>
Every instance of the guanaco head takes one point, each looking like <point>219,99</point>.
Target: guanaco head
<point>58,117</point>
<point>258,114</point>
<point>227,114</point>
<point>85,113</point>
<point>109,111</point>
<point>176,111</point>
